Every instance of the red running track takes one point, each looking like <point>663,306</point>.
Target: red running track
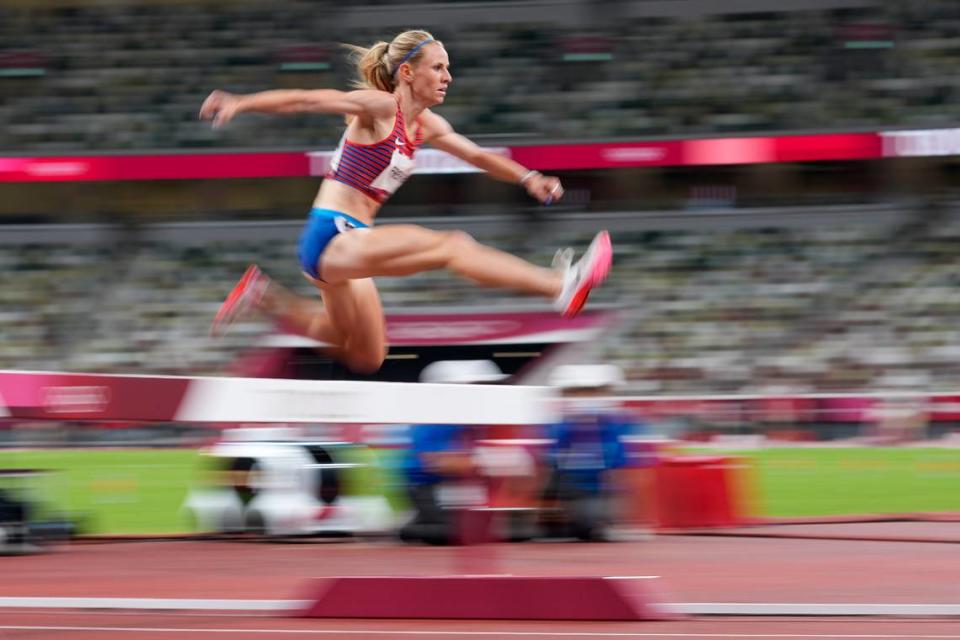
<point>63,625</point>
<point>692,570</point>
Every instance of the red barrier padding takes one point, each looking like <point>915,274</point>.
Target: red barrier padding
<point>699,491</point>
<point>486,598</point>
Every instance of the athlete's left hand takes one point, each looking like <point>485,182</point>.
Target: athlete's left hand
<point>546,189</point>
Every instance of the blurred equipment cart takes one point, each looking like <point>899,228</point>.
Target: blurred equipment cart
<point>283,488</point>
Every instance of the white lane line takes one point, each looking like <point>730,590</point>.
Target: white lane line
<point>630,577</point>
<point>690,608</point>
<point>495,633</point>
<point>180,604</point>
<point>49,614</point>
<point>813,609</point>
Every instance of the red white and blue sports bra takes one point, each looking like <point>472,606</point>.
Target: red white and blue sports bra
<point>377,169</point>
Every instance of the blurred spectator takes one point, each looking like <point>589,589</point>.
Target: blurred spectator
<point>441,470</point>
<point>587,451</point>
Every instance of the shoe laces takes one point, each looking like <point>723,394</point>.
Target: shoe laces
<point>563,259</point>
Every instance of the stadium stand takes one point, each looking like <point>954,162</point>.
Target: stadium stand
<point>131,77</point>
<point>741,304</point>
<point>728,303</point>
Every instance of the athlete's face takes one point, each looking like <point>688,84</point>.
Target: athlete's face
<point>430,77</point>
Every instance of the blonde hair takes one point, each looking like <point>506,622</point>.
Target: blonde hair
<point>377,65</point>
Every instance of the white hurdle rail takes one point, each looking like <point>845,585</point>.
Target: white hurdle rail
<point>342,401</point>
<point>39,395</point>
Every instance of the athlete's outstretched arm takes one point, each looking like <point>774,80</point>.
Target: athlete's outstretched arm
<point>441,135</point>
<point>222,106</point>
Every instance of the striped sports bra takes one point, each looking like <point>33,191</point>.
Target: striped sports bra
<point>377,169</point>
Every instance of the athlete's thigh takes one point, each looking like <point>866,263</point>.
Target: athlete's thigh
<point>361,253</point>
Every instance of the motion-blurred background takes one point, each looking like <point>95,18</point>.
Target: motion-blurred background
<point>779,183</point>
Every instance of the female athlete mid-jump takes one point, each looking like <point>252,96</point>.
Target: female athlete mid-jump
<point>341,251</point>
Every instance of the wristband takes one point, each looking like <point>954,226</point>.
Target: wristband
<point>528,175</point>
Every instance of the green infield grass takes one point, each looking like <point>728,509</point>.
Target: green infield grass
<point>795,482</point>
<point>139,491</point>
<point>122,491</point>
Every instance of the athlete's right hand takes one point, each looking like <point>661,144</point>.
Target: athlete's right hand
<point>546,189</point>
<point>221,107</point>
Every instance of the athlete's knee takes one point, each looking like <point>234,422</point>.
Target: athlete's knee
<point>456,242</point>
<point>365,361</point>
<point>458,238</point>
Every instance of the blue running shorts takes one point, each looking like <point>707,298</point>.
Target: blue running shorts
<point>322,225</point>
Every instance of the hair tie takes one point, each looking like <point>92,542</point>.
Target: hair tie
<point>409,55</point>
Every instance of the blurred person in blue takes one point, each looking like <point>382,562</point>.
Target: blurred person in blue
<point>388,118</point>
<point>442,472</point>
<point>587,450</point>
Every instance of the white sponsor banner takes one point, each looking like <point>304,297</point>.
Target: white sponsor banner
<point>428,161</point>
<point>75,398</point>
<point>347,401</point>
<point>57,169</point>
<point>3,408</point>
<point>634,155</point>
<point>921,143</point>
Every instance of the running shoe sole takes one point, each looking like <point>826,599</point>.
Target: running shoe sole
<point>599,267</point>
<point>237,301</point>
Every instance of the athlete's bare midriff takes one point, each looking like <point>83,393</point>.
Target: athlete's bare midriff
<point>344,198</point>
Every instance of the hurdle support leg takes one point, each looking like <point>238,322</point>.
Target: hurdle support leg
<point>487,598</point>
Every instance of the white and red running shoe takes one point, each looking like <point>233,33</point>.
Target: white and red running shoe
<point>580,278</point>
<point>245,294</point>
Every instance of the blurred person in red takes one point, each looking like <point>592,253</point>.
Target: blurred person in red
<point>340,251</point>
<point>587,454</point>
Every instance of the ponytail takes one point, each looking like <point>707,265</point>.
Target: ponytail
<point>373,67</point>
<point>377,65</point>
